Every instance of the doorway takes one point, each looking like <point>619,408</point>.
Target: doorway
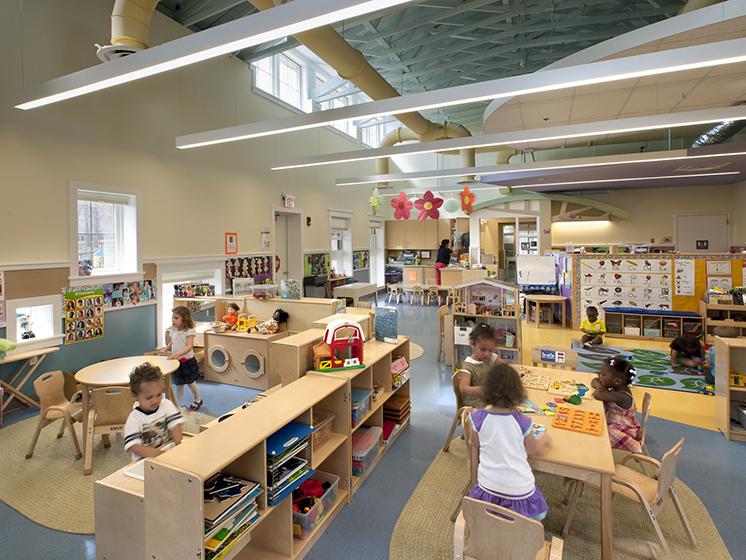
<point>288,245</point>
<point>702,233</point>
<point>377,260</point>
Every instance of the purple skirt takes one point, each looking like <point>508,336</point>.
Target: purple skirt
<point>533,506</point>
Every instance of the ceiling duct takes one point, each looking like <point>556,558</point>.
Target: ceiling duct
<point>720,132</point>
<point>130,28</point>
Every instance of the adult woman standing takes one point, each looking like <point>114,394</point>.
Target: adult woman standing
<point>443,258</point>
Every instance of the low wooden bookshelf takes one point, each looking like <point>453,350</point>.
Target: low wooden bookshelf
<point>723,315</point>
<point>730,358</point>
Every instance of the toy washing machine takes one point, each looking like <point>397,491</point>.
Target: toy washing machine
<point>239,358</point>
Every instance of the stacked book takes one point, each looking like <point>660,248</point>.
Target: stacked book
<point>230,510</point>
<point>399,372</point>
<point>395,415</point>
<point>288,460</point>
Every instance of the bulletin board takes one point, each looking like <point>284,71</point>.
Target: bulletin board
<point>536,270</point>
<point>258,268</point>
<point>675,282</point>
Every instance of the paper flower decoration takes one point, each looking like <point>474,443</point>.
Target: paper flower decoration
<point>428,206</point>
<point>401,207</point>
<point>375,201</point>
<point>467,199</point>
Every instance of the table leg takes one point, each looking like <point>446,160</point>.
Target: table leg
<point>607,534</point>
<point>34,364</point>
<point>169,389</point>
<point>13,392</point>
<point>538,314</point>
<point>87,448</point>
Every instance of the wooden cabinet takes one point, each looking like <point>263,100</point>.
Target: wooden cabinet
<point>730,398</point>
<point>395,234</point>
<point>444,231</point>
<point>429,277</point>
<point>413,234</point>
<point>431,234</point>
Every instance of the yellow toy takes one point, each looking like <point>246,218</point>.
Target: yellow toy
<point>246,323</point>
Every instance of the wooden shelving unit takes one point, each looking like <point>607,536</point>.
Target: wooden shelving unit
<point>723,315</point>
<point>730,357</point>
<point>174,481</point>
<point>651,326</point>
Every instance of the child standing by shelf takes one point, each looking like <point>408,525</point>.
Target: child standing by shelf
<point>506,439</point>
<point>155,421</point>
<point>474,370</point>
<point>592,327</point>
<point>181,348</point>
<point>612,387</point>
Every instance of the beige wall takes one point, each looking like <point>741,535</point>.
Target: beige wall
<point>125,137</point>
<point>653,212</point>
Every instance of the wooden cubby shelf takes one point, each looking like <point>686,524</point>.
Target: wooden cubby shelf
<point>723,315</point>
<point>135,519</point>
<point>730,357</point>
<point>651,325</point>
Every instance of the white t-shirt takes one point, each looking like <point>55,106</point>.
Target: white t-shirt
<point>503,461</point>
<point>151,428</point>
<point>179,341</point>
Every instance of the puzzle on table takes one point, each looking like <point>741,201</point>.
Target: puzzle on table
<point>531,381</point>
<point>564,388</point>
<point>578,420</point>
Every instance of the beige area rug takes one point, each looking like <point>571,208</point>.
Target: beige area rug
<point>424,531</point>
<point>50,488</point>
<point>415,351</point>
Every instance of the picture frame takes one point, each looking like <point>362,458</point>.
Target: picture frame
<point>231,243</point>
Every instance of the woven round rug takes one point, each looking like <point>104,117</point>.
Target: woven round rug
<point>50,487</point>
<point>415,351</point>
<point>424,530</point>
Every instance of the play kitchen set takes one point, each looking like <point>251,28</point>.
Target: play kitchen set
<point>297,455</point>
<point>484,301</point>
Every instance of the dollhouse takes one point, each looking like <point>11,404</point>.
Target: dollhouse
<point>341,347</point>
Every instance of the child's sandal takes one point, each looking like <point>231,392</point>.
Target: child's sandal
<point>195,405</point>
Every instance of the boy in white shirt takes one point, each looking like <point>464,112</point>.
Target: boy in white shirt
<point>155,421</point>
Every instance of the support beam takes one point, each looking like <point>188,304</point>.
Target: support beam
<point>196,12</point>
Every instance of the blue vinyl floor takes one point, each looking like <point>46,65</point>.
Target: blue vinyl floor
<point>713,467</point>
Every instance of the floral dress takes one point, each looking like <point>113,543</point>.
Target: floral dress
<point>624,429</point>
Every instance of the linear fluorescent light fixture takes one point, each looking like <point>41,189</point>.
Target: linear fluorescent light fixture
<point>262,27</point>
<point>581,130</point>
<point>661,62</point>
<point>622,159</point>
<point>626,179</point>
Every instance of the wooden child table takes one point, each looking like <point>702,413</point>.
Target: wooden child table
<point>111,373</point>
<point>31,361</point>
<point>541,299</point>
<point>356,290</point>
<point>577,455</point>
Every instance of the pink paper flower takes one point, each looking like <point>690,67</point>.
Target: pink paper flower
<point>428,206</point>
<point>401,207</point>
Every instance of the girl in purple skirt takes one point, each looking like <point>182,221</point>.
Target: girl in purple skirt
<point>505,439</point>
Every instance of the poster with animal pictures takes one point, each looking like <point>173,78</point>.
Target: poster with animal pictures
<point>128,294</point>
<point>626,283</point>
<point>84,315</point>
<point>2,299</point>
<point>258,269</point>
<point>684,277</point>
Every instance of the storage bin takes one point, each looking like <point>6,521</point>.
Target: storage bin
<point>461,335</point>
<point>360,404</point>
<point>305,523</point>
<point>365,444</point>
<point>322,428</point>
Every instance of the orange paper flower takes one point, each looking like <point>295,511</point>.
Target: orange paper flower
<point>467,199</point>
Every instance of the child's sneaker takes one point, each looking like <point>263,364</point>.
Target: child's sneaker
<point>587,345</point>
<point>195,405</point>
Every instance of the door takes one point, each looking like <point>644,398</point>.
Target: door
<point>281,246</point>
<point>377,258</point>
<point>288,246</point>
<point>702,233</point>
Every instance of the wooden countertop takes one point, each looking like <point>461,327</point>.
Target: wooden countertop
<point>303,337</point>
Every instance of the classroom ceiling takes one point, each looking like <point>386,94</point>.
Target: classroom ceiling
<point>440,43</point>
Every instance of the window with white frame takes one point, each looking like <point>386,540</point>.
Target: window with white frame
<point>105,232</point>
<point>340,226</point>
<point>264,74</point>
<point>282,77</point>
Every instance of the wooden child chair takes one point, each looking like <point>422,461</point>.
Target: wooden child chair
<point>432,293</point>
<point>417,292</point>
<point>644,417</point>
<point>442,312</point>
<point>472,457</point>
<point>50,387</point>
<point>453,297</point>
<point>459,410</point>
<point>110,407</point>
<point>497,532</point>
<point>649,492</point>
<point>538,354</point>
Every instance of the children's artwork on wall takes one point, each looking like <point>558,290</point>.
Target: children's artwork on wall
<point>316,264</point>
<point>84,315</point>
<point>290,289</point>
<point>361,260</point>
<point>128,294</point>
<point>257,268</point>
<point>2,299</point>
<point>231,243</point>
<point>194,290</point>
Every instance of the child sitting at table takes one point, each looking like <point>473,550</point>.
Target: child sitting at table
<point>592,327</point>
<point>474,369</point>
<point>155,421</point>
<point>612,386</point>
<point>506,439</point>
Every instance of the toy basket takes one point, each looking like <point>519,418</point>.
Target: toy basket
<point>305,523</point>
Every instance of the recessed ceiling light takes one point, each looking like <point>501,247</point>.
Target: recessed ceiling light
<point>637,66</point>
<point>255,29</point>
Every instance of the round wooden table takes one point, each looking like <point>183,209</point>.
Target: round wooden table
<point>111,373</point>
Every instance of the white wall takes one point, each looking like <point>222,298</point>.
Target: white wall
<point>125,137</point>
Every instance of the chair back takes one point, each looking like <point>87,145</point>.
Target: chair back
<point>548,356</point>
<point>442,312</point>
<point>644,416</point>
<point>497,532</point>
<point>365,304</point>
<point>112,405</point>
<point>667,472</point>
<point>457,390</point>
<point>472,451</point>
<point>50,388</point>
